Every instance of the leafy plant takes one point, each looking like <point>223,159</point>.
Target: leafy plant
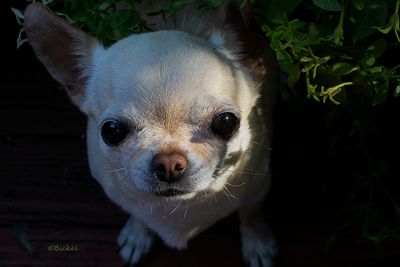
<point>339,49</point>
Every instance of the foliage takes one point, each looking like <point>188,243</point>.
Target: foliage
<point>340,51</point>
<point>345,52</point>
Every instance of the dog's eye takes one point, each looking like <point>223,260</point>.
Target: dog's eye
<point>114,132</point>
<point>225,124</point>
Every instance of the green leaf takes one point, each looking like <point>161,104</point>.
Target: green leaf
<point>397,90</point>
<point>276,8</point>
<point>378,47</point>
<point>283,57</point>
<point>376,69</point>
<point>21,41</point>
<point>294,75</point>
<point>359,4</point>
<point>343,68</point>
<point>384,30</point>
<point>328,5</point>
<point>119,17</point>
<point>66,17</point>
<point>366,20</point>
<point>369,60</point>
<point>380,94</point>
<point>18,15</point>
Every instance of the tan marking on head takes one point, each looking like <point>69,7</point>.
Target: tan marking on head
<point>202,150</point>
<point>168,116</point>
<point>169,149</point>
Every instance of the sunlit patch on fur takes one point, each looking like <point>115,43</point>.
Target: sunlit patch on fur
<point>232,158</point>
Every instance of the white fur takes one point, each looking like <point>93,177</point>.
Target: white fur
<point>112,90</point>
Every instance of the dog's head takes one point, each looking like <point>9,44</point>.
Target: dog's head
<point>168,112</point>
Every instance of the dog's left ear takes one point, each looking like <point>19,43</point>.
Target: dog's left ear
<point>63,49</point>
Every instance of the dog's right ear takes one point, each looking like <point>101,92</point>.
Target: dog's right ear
<point>64,50</point>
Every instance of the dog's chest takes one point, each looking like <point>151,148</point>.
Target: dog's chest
<point>178,221</point>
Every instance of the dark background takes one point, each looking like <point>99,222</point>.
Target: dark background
<point>47,196</point>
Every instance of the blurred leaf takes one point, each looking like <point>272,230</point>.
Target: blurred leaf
<point>294,75</point>
<point>374,14</point>
<point>328,5</point>
<point>66,17</point>
<point>174,6</point>
<point>369,60</point>
<point>20,231</point>
<point>47,2</point>
<point>359,4</point>
<point>276,8</point>
<point>377,69</point>
<point>120,17</point>
<point>381,92</point>
<point>378,47</point>
<point>397,90</point>
<point>18,16</point>
<point>213,3</point>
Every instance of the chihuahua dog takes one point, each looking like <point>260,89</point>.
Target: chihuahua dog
<point>175,130</point>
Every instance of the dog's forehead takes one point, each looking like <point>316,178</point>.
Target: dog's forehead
<point>163,67</point>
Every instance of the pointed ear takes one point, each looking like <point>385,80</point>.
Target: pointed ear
<point>63,49</point>
<point>253,54</point>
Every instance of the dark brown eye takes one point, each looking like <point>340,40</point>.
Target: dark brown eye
<point>225,125</point>
<point>114,132</point>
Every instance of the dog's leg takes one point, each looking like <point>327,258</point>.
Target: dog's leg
<point>135,241</point>
<point>258,243</point>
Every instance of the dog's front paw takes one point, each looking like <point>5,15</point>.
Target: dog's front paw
<point>259,246</point>
<point>135,241</point>
<point>258,249</point>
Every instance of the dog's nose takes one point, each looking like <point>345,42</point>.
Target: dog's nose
<point>169,167</point>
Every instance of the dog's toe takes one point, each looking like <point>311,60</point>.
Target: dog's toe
<point>135,242</point>
<point>259,251</point>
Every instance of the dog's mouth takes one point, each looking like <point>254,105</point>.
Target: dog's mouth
<point>170,193</point>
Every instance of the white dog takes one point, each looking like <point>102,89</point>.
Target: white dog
<point>174,134</point>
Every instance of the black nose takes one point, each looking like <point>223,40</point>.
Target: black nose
<point>169,167</point>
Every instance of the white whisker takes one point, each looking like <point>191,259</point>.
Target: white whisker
<point>226,191</point>
<point>186,210</point>
<point>235,185</point>
<point>177,206</point>
<point>241,172</point>
<point>230,194</point>
<point>172,211</point>
<point>261,145</point>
